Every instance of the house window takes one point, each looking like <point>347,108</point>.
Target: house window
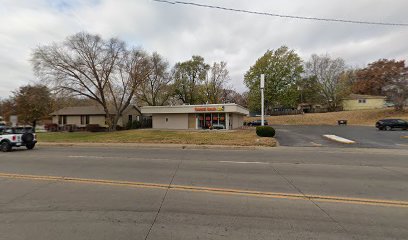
<point>130,118</point>
<point>84,119</point>
<point>62,120</point>
<point>361,101</point>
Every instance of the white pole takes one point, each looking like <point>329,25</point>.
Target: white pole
<point>262,98</point>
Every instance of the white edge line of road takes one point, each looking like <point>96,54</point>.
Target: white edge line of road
<point>339,139</point>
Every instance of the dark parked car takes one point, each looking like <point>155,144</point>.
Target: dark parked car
<point>389,124</point>
<point>257,123</point>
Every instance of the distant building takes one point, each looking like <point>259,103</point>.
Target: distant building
<point>82,116</point>
<point>208,116</point>
<point>360,102</point>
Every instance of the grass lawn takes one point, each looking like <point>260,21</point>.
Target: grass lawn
<point>246,137</point>
<point>361,117</point>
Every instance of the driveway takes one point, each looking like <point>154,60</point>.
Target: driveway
<point>365,137</point>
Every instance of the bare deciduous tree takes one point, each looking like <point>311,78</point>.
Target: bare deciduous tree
<point>328,73</point>
<point>397,87</point>
<point>156,90</point>
<point>89,66</point>
<point>232,96</point>
<point>216,83</point>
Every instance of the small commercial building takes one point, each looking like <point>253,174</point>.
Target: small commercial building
<point>208,116</point>
<point>363,102</point>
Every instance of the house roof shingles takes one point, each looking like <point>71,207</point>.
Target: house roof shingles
<point>85,110</point>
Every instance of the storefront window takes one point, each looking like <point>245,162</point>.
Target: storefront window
<point>211,120</point>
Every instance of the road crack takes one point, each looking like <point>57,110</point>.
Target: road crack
<point>164,198</point>
<point>311,200</point>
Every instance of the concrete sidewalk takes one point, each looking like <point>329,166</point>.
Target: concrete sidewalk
<point>154,145</point>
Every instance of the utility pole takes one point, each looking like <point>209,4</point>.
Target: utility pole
<point>262,98</point>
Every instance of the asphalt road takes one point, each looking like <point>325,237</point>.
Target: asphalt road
<point>365,137</point>
<point>283,193</point>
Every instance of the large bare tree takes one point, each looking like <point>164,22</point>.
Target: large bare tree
<point>216,82</point>
<point>157,90</point>
<point>105,71</point>
<point>328,73</point>
<point>396,88</point>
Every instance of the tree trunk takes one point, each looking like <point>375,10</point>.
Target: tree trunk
<point>34,125</point>
<point>115,122</point>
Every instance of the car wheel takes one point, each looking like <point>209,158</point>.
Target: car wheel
<point>5,147</point>
<point>30,146</point>
<point>388,128</point>
<point>27,137</point>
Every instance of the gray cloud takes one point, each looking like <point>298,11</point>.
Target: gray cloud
<point>177,32</point>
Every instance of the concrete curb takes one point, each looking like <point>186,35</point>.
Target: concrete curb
<point>154,145</point>
<point>339,139</point>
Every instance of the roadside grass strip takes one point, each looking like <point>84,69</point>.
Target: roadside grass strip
<point>223,191</point>
<point>339,139</point>
<point>404,137</point>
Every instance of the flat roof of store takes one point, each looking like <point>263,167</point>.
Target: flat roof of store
<point>201,108</point>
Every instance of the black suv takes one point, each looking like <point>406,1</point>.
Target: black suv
<point>257,123</point>
<point>389,124</point>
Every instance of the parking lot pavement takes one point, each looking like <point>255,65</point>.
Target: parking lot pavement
<point>365,137</point>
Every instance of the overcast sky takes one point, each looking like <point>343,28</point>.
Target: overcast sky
<point>178,31</point>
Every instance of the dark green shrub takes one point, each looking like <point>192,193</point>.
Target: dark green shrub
<point>134,125</point>
<point>265,131</point>
<point>129,125</point>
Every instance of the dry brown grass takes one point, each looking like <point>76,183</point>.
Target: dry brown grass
<point>245,137</point>
<point>361,117</point>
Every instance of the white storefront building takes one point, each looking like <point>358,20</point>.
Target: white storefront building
<point>208,116</point>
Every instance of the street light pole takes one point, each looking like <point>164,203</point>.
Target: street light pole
<point>262,98</point>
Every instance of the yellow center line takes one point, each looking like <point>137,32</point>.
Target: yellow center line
<point>224,191</point>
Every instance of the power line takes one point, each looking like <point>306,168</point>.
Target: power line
<point>283,16</point>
